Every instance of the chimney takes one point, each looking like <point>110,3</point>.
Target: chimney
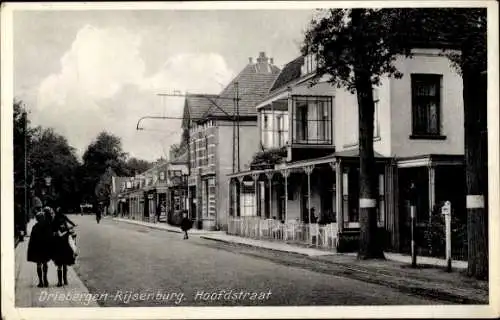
<point>271,60</point>
<point>250,60</point>
<point>262,58</point>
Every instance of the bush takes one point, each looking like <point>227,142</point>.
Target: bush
<point>434,235</point>
<point>269,157</point>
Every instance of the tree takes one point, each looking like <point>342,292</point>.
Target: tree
<point>465,30</point>
<point>21,141</point>
<point>176,150</point>
<point>105,151</point>
<point>103,188</point>
<point>135,165</point>
<point>355,47</point>
<point>51,156</point>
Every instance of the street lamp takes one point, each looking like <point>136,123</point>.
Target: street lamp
<point>48,193</point>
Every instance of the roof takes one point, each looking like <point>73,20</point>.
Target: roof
<point>291,71</point>
<point>354,153</point>
<point>196,105</point>
<point>254,82</point>
<point>183,158</point>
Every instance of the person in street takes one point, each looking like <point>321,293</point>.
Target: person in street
<point>98,215</point>
<point>39,247</point>
<point>62,255</point>
<point>185,224</point>
<point>314,216</point>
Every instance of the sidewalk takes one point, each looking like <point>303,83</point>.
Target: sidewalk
<point>167,227</point>
<point>27,294</point>
<point>429,279</point>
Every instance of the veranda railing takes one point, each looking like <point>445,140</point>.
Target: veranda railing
<point>316,235</point>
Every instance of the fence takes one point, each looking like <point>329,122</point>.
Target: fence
<point>320,236</point>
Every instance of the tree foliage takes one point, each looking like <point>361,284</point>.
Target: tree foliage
<point>105,151</point>
<point>104,186</point>
<point>336,41</point>
<point>51,156</point>
<point>135,165</point>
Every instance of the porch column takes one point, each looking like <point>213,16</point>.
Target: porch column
<point>381,193</point>
<point>432,189</point>
<point>285,174</point>
<point>238,195</point>
<point>270,179</point>
<point>255,178</point>
<point>230,197</point>
<point>336,166</point>
<point>309,170</point>
<point>345,196</point>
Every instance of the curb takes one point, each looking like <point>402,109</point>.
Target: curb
<point>254,246</point>
<point>175,230</point>
<point>148,226</point>
<point>374,278</point>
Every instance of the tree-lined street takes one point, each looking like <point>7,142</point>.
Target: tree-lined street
<point>117,256</point>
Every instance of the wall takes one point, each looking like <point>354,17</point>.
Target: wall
<point>249,144</point>
<point>452,117</point>
<point>346,123</point>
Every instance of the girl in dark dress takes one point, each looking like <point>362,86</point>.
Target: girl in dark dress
<point>63,256</point>
<point>39,248</point>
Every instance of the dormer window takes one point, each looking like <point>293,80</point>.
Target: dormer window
<point>310,64</point>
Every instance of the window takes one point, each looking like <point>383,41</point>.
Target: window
<point>206,151</point>
<point>247,199</point>
<point>312,120</point>
<point>426,104</point>
<point>310,64</point>
<point>274,130</point>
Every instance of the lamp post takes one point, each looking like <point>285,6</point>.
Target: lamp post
<point>48,189</point>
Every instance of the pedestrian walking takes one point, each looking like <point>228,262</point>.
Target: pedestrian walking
<point>186,224</point>
<point>39,247</point>
<point>63,255</point>
<point>98,215</point>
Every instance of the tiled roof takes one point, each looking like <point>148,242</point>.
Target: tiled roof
<point>198,105</point>
<point>254,82</point>
<point>291,71</point>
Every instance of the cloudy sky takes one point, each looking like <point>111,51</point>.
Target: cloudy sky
<point>82,72</point>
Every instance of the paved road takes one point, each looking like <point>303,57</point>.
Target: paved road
<point>120,261</point>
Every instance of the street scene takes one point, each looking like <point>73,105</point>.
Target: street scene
<point>312,157</point>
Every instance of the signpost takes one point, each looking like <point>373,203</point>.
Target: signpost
<point>446,211</point>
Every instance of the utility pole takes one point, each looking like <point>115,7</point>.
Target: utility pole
<point>25,134</point>
<point>236,84</point>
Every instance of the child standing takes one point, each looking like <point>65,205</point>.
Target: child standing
<point>39,247</point>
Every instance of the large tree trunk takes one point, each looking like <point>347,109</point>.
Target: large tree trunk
<point>474,95</point>
<point>369,244</point>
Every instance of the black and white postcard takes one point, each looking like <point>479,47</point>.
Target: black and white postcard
<point>250,159</point>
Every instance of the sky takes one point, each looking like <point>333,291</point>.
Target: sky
<point>83,72</point>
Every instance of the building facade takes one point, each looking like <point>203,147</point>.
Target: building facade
<point>223,136</point>
<point>305,186</point>
<point>157,194</point>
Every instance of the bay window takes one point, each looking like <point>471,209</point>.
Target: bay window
<point>274,129</point>
<point>312,120</point>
